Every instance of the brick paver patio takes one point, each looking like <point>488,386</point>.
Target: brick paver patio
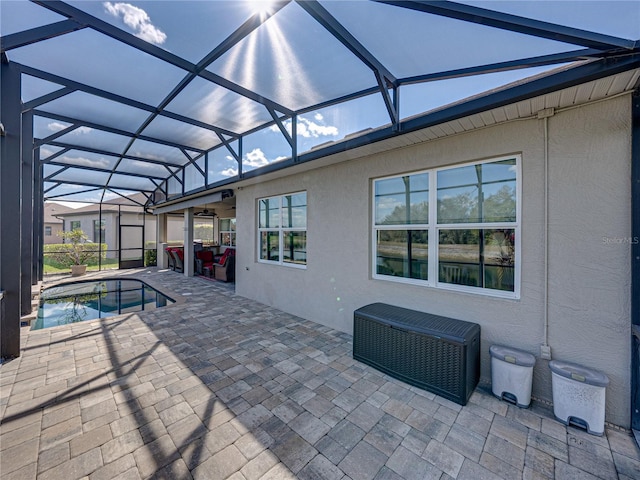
<point>224,387</point>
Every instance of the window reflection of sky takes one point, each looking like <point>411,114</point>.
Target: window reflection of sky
<point>391,194</point>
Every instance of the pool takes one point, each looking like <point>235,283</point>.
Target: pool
<point>93,299</point>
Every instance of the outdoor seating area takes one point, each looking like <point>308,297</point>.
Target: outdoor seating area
<point>221,267</point>
<point>207,263</point>
<point>220,386</point>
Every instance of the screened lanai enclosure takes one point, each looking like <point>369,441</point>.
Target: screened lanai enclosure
<point>178,104</point>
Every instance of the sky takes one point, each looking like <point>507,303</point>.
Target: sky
<point>291,59</point>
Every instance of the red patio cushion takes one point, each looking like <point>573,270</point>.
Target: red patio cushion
<point>205,255</point>
<point>229,252</point>
<point>223,259</point>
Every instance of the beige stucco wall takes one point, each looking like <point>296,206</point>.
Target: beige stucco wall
<point>112,225</point>
<point>56,230</point>
<point>111,229</point>
<point>589,287</point>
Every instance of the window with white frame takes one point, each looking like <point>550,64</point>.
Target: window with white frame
<point>464,219</point>
<point>228,232</point>
<point>282,229</point>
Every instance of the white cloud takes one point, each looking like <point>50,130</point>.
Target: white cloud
<point>138,20</point>
<point>82,130</point>
<point>87,162</point>
<point>229,172</point>
<point>46,152</point>
<point>310,129</point>
<point>150,156</point>
<point>256,158</point>
<point>56,126</point>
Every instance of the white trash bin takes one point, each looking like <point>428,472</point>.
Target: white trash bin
<point>511,374</point>
<point>578,395</point>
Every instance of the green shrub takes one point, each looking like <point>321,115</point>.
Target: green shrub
<point>63,255</point>
<point>150,258</point>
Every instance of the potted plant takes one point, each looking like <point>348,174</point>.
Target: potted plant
<point>77,252</point>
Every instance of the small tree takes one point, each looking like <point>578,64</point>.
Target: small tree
<point>78,250</point>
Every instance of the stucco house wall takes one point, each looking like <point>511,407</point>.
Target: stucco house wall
<point>112,224</point>
<point>86,225</point>
<point>588,306</point>
<point>53,222</point>
<point>56,230</point>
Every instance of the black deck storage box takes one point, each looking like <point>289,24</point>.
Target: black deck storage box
<point>435,353</point>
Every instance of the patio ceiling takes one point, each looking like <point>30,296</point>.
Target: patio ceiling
<point>169,98</point>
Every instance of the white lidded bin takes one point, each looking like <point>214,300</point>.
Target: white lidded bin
<point>511,374</point>
<point>578,395</point>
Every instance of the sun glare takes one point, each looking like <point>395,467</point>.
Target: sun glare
<point>261,7</point>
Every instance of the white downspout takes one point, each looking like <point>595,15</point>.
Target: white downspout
<point>545,349</point>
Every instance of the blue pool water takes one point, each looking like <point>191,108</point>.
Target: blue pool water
<point>89,300</point>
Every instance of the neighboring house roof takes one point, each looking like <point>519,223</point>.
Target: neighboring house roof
<point>53,210</point>
<point>111,207</point>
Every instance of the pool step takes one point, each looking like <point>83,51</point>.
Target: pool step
<point>26,320</point>
<point>35,291</point>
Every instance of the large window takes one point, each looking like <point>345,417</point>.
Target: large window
<point>282,229</point>
<point>228,232</point>
<point>465,219</point>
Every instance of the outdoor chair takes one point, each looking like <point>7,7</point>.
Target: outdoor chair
<point>205,259</point>
<point>178,256</point>
<point>225,268</point>
<point>172,262</point>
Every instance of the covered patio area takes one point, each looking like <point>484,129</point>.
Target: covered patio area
<point>221,386</point>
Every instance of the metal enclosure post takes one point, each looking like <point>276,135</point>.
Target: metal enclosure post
<point>144,250</point>
<point>40,185</point>
<point>188,242</point>
<point>38,221</point>
<point>26,235</point>
<point>635,260</point>
<point>10,221</point>
<point>100,235</point>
